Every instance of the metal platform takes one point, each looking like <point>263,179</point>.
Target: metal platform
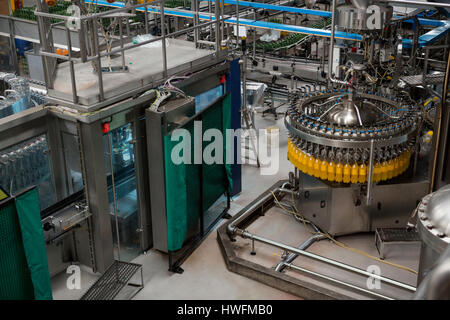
<point>145,70</point>
<point>417,80</point>
<point>109,285</point>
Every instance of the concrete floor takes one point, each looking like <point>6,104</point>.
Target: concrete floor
<point>206,275</point>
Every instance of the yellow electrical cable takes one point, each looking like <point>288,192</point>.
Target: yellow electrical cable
<point>399,266</point>
<point>283,207</point>
<point>342,245</point>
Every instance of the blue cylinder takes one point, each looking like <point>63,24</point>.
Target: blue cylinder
<point>22,46</point>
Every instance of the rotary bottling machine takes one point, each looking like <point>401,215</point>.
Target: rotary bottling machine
<point>366,142</point>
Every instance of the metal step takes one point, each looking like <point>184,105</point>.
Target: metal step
<point>397,235</point>
<point>394,236</point>
<point>109,285</point>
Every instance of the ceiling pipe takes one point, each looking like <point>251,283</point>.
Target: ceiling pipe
<point>417,3</point>
<point>330,53</point>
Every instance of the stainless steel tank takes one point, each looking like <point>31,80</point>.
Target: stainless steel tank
<point>433,226</point>
<point>363,17</point>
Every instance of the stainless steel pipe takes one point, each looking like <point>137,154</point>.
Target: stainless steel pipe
<point>232,227</point>
<point>418,3</point>
<point>348,285</point>
<point>331,48</point>
<point>247,235</point>
<point>303,246</point>
<point>370,177</point>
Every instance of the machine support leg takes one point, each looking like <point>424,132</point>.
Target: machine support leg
<point>253,252</point>
<point>370,177</point>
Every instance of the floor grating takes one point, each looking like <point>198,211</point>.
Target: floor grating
<point>109,285</point>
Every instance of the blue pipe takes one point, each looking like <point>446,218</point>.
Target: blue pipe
<point>244,22</point>
<point>277,7</point>
<point>442,27</point>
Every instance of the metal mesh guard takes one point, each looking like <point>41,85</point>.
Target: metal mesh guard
<point>108,286</point>
<point>429,79</point>
<point>397,234</point>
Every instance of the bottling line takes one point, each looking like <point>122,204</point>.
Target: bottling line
<point>91,131</point>
<point>365,139</point>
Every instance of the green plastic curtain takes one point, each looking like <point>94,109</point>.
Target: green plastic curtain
<point>23,259</point>
<point>15,277</point>
<point>29,213</point>
<point>185,196</point>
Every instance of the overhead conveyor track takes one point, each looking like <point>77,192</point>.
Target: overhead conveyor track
<point>246,22</point>
<point>26,30</point>
<point>440,30</point>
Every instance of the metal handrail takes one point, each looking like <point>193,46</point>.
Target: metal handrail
<point>96,54</point>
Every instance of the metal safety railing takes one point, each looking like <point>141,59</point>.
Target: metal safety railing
<point>93,40</point>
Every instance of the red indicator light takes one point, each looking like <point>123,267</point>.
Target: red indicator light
<point>105,127</point>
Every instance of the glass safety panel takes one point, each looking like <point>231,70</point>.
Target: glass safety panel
<point>204,99</point>
<point>72,162</point>
<point>28,164</point>
<point>122,191</point>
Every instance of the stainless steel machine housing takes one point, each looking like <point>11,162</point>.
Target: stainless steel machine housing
<point>341,209</point>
